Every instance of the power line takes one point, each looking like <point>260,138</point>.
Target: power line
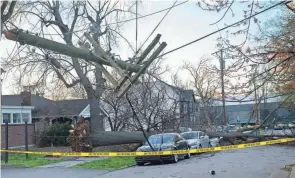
<point>148,14</point>
<point>136,25</point>
<point>236,23</point>
<point>137,51</point>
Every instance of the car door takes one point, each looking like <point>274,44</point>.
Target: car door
<point>184,143</point>
<point>177,142</point>
<point>180,142</point>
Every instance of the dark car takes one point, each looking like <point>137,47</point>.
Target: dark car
<point>163,142</point>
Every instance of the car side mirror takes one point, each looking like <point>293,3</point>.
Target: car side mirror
<point>202,136</point>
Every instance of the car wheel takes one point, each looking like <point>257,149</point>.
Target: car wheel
<point>188,155</point>
<point>175,158</point>
<point>140,163</point>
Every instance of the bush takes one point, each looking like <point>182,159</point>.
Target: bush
<point>55,134</point>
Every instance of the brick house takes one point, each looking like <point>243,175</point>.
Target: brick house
<point>40,112</point>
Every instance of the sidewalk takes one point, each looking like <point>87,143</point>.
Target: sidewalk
<point>282,173</point>
<point>70,163</point>
<point>292,174</point>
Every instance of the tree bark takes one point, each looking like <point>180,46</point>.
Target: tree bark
<point>81,140</point>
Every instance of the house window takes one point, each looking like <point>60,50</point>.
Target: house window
<point>26,117</point>
<point>6,116</point>
<point>16,118</point>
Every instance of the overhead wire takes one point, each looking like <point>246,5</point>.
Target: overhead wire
<point>136,25</point>
<point>212,33</point>
<point>170,8</point>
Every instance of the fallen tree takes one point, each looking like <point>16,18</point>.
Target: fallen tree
<point>239,138</point>
<point>81,140</point>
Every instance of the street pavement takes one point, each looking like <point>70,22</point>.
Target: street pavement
<point>50,173</point>
<point>257,162</point>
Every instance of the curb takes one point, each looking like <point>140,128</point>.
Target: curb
<point>280,174</point>
<point>6,166</point>
<point>133,165</point>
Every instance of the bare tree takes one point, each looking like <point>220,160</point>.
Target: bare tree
<point>66,22</point>
<point>205,83</point>
<point>7,9</point>
<point>119,112</point>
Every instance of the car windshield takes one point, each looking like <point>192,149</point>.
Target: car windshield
<point>190,135</point>
<point>157,139</point>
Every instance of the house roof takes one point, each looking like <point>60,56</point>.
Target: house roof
<point>47,107</point>
<point>186,95</point>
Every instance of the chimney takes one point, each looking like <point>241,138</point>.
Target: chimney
<point>25,98</point>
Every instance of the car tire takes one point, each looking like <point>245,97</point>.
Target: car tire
<point>175,158</point>
<point>188,155</point>
<point>140,163</point>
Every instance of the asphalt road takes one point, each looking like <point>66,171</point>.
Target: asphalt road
<point>257,162</point>
<point>50,173</point>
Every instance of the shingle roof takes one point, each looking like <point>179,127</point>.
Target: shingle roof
<point>46,107</point>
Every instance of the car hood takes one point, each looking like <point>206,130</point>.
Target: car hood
<point>157,147</point>
<point>193,141</point>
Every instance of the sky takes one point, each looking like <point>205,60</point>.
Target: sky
<point>183,24</point>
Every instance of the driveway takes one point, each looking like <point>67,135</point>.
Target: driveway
<point>257,162</point>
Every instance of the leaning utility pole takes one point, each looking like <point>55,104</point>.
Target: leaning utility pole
<point>98,57</point>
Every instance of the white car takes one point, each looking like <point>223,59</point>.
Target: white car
<point>196,139</point>
<point>214,142</point>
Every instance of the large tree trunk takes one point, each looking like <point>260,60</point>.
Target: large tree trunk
<point>97,123</point>
<point>82,140</point>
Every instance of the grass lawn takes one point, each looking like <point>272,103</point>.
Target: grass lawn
<point>109,163</point>
<point>32,161</point>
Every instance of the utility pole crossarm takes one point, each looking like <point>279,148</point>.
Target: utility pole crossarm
<point>25,38</point>
<point>145,53</point>
<point>142,70</point>
<point>103,54</point>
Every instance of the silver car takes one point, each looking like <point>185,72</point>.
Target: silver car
<point>196,139</point>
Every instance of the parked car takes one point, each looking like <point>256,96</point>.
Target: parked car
<point>196,139</point>
<point>163,142</point>
<point>215,141</point>
<point>280,126</point>
<point>231,128</point>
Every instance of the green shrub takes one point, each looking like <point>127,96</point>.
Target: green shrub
<point>55,134</point>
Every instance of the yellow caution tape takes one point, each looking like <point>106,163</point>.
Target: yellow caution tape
<point>153,153</point>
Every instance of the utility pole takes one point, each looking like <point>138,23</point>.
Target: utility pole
<point>222,65</point>
<point>254,66</point>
